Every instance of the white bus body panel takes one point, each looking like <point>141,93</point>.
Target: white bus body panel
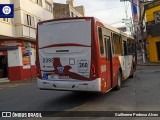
<point>78,85</point>
<point>126,64</point>
<point>75,60</point>
<point>65,31</point>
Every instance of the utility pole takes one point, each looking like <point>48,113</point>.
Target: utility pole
<point>139,24</point>
<point>141,30</point>
<point>128,21</point>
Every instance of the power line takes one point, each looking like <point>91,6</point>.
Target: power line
<point>115,22</point>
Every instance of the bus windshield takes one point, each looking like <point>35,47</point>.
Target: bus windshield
<point>63,32</point>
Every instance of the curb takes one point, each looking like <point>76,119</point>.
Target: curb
<point>18,81</point>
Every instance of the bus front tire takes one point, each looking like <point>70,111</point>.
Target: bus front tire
<point>119,80</point>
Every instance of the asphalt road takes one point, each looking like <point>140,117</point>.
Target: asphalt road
<point>140,93</point>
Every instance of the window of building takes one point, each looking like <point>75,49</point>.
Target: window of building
<point>72,14</point>
<point>39,2</point>
<point>29,20</point>
<point>157,16</point>
<point>6,19</point>
<point>48,6</point>
<point>9,20</point>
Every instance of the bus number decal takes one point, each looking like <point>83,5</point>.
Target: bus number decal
<point>103,68</point>
<point>83,64</point>
<point>48,60</point>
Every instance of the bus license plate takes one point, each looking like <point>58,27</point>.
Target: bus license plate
<point>55,77</point>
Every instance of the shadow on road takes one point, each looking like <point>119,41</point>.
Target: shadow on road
<point>71,100</point>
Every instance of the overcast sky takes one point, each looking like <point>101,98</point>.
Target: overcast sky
<point>109,11</point>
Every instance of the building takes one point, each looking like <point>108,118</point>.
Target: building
<point>152,12</point>
<point>67,10</point>
<point>123,29</point>
<point>17,38</point>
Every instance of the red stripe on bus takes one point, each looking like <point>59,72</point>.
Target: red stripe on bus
<point>57,63</point>
<point>62,45</point>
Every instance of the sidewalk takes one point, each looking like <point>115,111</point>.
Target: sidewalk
<point>140,63</point>
<point>8,82</point>
<point>148,63</point>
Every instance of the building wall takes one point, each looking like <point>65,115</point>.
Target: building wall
<point>17,27</point>
<point>8,28</point>
<point>16,68</point>
<point>17,32</point>
<point>61,10</point>
<point>150,13</point>
<point>67,10</point>
<point>38,12</point>
<point>20,66</point>
<point>74,12</point>
<point>152,49</point>
<point>80,9</point>
<point>151,46</point>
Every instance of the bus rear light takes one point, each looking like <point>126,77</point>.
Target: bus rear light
<point>93,70</point>
<point>39,73</point>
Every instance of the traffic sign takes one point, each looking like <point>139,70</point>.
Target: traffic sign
<point>27,54</point>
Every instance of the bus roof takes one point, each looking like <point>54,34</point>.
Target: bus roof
<point>114,29</point>
<point>93,18</point>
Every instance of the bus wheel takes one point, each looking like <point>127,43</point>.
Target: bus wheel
<point>131,76</point>
<point>119,80</point>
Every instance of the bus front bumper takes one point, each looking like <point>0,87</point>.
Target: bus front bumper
<point>70,85</point>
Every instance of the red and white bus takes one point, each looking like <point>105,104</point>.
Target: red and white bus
<point>83,54</point>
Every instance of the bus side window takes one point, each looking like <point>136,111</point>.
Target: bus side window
<point>117,43</point>
<point>131,46</point>
<point>101,41</point>
<point>125,47</point>
<point>107,47</point>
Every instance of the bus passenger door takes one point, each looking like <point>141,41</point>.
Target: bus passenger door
<point>108,61</point>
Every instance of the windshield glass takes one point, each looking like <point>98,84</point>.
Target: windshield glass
<point>63,32</point>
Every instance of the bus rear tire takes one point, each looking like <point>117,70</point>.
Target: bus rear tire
<point>119,81</point>
<point>131,76</point>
